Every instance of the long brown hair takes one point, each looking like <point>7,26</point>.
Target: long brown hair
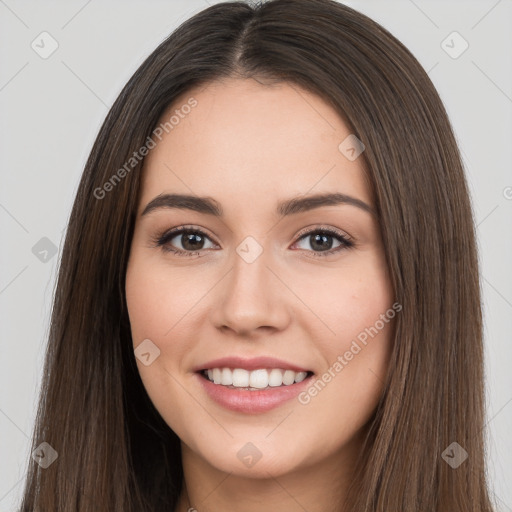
<point>115,452</point>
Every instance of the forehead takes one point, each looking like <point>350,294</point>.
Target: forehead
<point>244,139</point>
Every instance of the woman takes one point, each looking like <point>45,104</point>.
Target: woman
<point>268,295</point>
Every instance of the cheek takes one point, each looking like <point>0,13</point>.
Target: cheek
<point>345,394</point>
<point>155,300</point>
<point>144,308</point>
<point>153,313</point>
<point>360,316</point>
<point>161,309</point>
<point>348,301</point>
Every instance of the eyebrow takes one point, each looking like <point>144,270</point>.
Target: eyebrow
<point>291,206</point>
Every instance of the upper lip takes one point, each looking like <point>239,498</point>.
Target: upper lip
<point>249,364</point>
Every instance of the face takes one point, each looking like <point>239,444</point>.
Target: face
<point>259,289</point>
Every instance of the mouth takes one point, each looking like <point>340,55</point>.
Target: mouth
<point>262,385</point>
<point>254,380</point>
<point>252,385</point>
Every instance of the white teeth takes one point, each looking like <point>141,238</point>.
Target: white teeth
<point>288,377</point>
<point>226,378</point>
<point>256,379</point>
<point>217,375</point>
<point>275,378</point>
<point>240,378</point>
<point>300,376</point>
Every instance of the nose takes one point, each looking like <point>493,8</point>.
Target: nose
<point>252,298</point>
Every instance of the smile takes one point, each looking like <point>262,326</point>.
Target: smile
<point>251,386</point>
<point>262,378</point>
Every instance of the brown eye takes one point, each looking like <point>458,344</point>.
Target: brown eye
<point>191,241</point>
<point>323,240</point>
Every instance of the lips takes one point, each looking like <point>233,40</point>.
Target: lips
<point>252,385</point>
<point>255,363</point>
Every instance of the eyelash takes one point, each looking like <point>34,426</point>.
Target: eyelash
<point>163,239</point>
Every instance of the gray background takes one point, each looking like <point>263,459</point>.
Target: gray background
<point>51,110</point>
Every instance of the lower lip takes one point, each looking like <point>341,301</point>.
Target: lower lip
<point>252,402</point>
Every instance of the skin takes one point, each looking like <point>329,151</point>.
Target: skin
<point>249,146</point>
